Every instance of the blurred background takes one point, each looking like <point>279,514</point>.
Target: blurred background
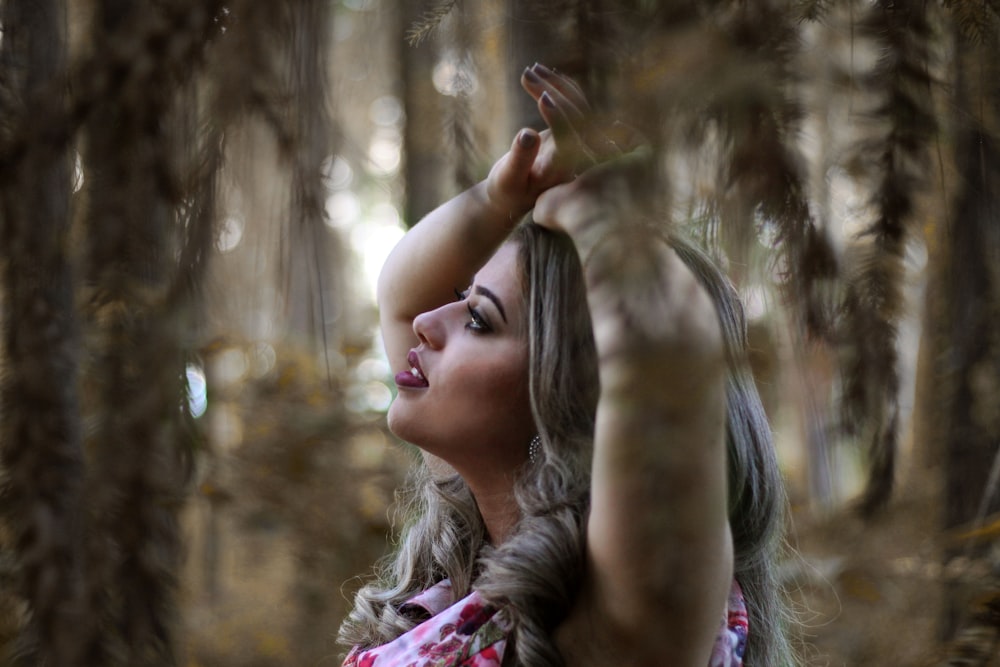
<point>195,200</point>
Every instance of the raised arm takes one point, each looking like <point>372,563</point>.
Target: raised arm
<point>658,539</point>
<point>443,251</point>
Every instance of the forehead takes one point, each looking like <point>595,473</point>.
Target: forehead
<point>502,275</point>
<point>503,263</point>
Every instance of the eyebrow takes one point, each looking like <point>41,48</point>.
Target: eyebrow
<point>492,297</point>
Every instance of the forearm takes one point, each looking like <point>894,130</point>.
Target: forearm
<point>658,530</point>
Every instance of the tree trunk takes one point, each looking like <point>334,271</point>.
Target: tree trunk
<point>40,441</point>
<point>970,374</point>
<point>424,161</point>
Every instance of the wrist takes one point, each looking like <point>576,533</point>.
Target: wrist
<point>503,207</point>
<point>493,208</point>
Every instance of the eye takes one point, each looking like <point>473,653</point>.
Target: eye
<point>477,323</point>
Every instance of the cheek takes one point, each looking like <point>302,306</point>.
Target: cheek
<point>505,376</point>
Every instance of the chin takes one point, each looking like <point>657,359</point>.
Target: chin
<point>401,424</point>
<point>392,420</point>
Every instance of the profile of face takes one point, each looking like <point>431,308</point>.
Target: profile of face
<point>467,401</point>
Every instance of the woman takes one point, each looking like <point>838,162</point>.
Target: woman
<point>579,434</point>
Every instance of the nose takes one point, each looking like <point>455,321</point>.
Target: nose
<point>429,327</point>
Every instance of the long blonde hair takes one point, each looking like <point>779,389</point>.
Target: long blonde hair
<point>537,572</point>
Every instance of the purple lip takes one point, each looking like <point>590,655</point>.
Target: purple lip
<point>413,378</point>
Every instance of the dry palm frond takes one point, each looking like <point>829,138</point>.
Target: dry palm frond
<point>118,72</point>
<point>41,457</point>
<point>459,126</point>
<point>977,20</point>
<point>874,302</point>
<point>303,266</point>
<point>764,170</point>
<point>429,21</point>
<point>197,212</point>
<point>245,75</point>
<point>813,10</point>
<point>134,187</point>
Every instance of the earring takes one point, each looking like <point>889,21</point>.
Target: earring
<point>533,447</point>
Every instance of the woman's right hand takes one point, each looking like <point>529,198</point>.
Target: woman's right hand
<point>538,161</point>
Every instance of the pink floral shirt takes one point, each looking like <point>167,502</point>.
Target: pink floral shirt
<point>471,633</point>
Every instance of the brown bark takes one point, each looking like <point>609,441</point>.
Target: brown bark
<point>969,365</point>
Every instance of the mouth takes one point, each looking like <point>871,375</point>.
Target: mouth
<point>413,378</point>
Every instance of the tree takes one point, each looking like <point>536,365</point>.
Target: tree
<point>104,274</point>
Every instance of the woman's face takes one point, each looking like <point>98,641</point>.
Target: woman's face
<point>469,404</point>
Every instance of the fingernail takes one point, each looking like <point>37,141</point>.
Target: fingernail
<point>547,101</point>
<point>542,70</point>
<point>527,139</point>
<point>531,76</point>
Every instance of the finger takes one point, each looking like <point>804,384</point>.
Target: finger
<point>554,117</point>
<point>574,109</point>
<point>568,129</point>
<point>524,149</point>
<point>595,143</point>
<point>568,96</point>
<point>514,170</point>
<point>564,84</point>
<point>574,112</point>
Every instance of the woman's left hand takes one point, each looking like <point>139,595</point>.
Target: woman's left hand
<point>609,192</point>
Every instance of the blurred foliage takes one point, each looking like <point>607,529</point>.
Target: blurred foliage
<point>195,195</point>
<point>283,514</point>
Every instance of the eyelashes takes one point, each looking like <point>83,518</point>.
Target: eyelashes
<point>477,321</point>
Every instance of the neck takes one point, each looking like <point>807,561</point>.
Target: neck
<point>498,509</point>
<point>494,494</point>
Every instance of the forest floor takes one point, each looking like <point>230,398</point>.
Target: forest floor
<point>874,592</point>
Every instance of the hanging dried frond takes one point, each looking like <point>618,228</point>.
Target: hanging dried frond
<point>187,28</point>
<point>303,267</point>
<point>459,126</point>
<point>134,186</point>
<point>249,76</point>
<point>41,456</point>
<point>813,10</point>
<point>763,170</point>
<point>874,301</point>
<point>978,20</point>
<point>198,210</point>
<point>429,22</point>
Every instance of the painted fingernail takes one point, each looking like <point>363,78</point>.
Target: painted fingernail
<point>531,76</point>
<point>527,139</point>
<point>547,101</point>
<point>542,70</point>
